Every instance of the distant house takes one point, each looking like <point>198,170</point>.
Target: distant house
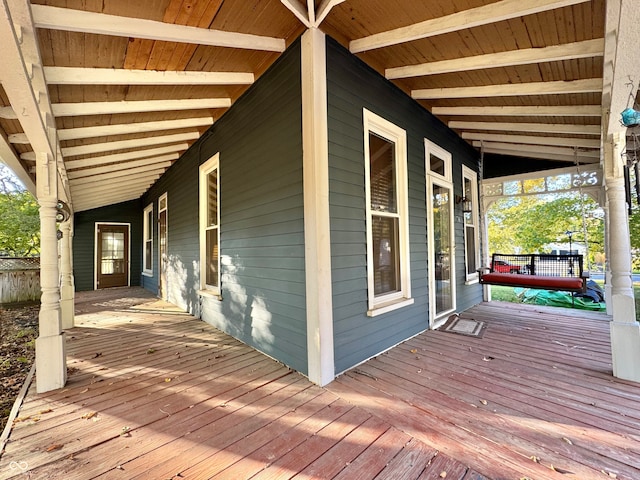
<point>223,232</point>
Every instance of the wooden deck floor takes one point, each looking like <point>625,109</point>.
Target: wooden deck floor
<point>154,393</point>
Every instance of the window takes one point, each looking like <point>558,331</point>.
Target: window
<point>387,219</point>
<point>147,253</point>
<point>471,220</point>
<point>210,225</point>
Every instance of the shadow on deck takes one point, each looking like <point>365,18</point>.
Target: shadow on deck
<point>155,393</point>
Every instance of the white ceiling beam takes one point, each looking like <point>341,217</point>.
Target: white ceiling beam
<point>324,9</point>
<point>102,201</point>
<point>486,14</point>
<point>546,156</point>
<point>88,172</point>
<point>66,19</point>
<point>532,111</point>
<point>19,138</point>
<point>125,144</point>
<point>129,128</point>
<point>109,187</point>
<point>113,76</point>
<point>527,127</point>
<point>311,9</point>
<point>555,53</point>
<point>537,149</point>
<point>8,113</point>
<point>298,10</point>
<point>157,169</point>
<point>589,85</point>
<point>10,159</point>
<point>533,140</point>
<point>621,69</point>
<point>109,108</point>
<point>114,184</point>
<point>122,157</point>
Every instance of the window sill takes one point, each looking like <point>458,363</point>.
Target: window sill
<point>210,294</point>
<point>147,274</point>
<point>472,281</point>
<point>389,306</point>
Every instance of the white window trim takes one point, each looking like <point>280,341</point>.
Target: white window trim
<point>206,168</point>
<point>146,229</point>
<point>472,176</point>
<point>386,303</point>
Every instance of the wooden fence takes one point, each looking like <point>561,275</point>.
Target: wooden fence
<point>19,280</point>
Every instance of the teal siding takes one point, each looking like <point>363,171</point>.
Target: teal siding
<point>351,86</point>
<point>84,240</point>
<point>262,226</point>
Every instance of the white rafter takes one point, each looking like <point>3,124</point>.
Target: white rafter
<point>588,85</point>
<point>113,76</point>
<point>298,10</point>
<point>102,24</point>
<point>536,149</point>
<point>532,111</point>
<point>89,172</point>
<point>111,176</point>
<point>8,113</point>
<point>539,156</point>
<point>108,108</point>
<point>19,138</point>
<point>527,127</point>
<point>128,128</point>
<point>555,53</point>
<point>324,8</point>
<point>8,157</point>
<point>125,144</point>
<point>124,183</point>
<point>82,206</point>
<point>486,14</point>
<point>122,157</point>
<point>534,140</point>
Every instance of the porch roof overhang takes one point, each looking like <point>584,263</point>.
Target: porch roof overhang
<point>117,86</point>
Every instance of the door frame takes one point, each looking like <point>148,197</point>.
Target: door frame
<point>445,181</point>
<point>163,271</point>
<point>95,251</point>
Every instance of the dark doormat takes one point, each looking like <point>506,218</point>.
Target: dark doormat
<point>464,326</point>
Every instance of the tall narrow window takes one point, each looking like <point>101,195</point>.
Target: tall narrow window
<point>147,253</point>
<point>387,218</point>
<point>470,212</point>
<point>210,225</point>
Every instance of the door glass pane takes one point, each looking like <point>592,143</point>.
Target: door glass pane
<point>383,183</point>
<point>386,256</point>
<point>441,201</point>
<point>113,259</point>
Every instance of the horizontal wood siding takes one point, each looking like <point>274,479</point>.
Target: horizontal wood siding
<point>351,86</point>
<point>261,227</point>
<point>84,240</point>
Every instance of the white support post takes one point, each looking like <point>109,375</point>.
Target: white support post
<point>607,266</point>
<point>67,290</point>
<point>625,330</point>
<point>51,368</point>
<point>320,353</point>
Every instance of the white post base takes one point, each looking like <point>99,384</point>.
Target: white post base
<point>67,308</point>
<point>625,349</point>
<point>51,368</point>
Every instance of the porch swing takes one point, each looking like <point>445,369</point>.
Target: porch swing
<point>563,272</point>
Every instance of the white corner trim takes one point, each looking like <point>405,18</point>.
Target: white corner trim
<point>320,348</point>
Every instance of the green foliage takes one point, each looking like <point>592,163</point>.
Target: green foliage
<point>528,224</point>
<point>19,218</point>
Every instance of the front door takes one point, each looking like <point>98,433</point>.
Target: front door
<point>162,241</point>
<point>112,269</point>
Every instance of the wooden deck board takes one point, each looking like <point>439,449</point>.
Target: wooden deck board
<point>533,398</point>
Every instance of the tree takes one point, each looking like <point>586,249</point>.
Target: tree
<point>19,217</point>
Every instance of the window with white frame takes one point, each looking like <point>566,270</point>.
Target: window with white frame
<point>210,225</point>
<point>147,228</point>
<point>471,221</point>
<point>385,147</point>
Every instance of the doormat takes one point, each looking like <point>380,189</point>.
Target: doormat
<point>465,326</point>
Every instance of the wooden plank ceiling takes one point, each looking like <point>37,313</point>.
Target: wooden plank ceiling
<point>131,85</point>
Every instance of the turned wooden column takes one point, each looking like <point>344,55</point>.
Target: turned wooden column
<point>67,290</point>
